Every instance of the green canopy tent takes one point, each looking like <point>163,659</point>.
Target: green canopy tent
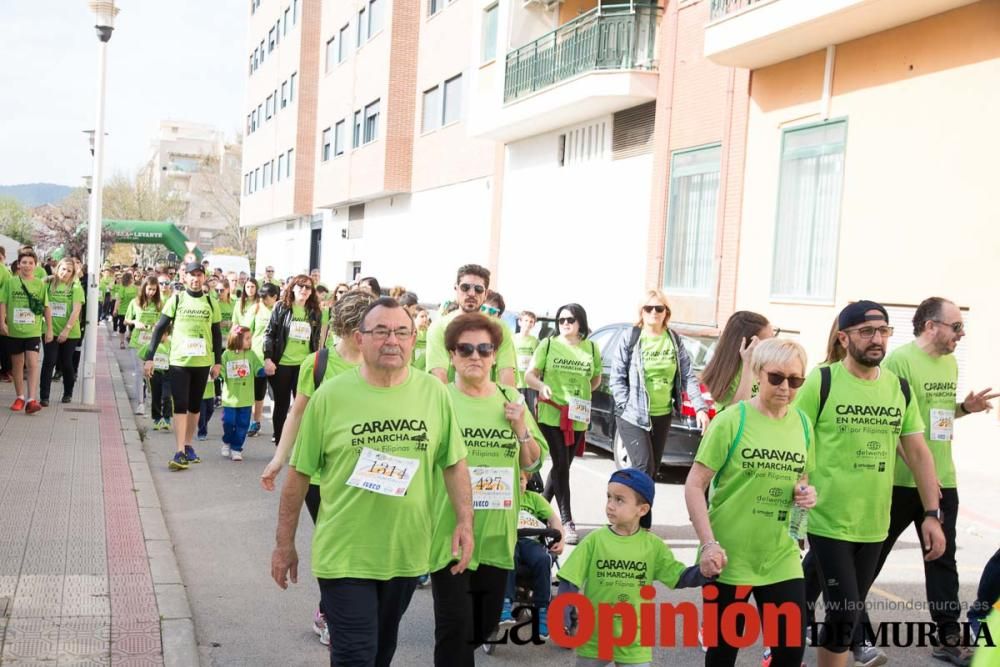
<point>151,231</point>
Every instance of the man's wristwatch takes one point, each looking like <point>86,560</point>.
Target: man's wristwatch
<point>934,514</point>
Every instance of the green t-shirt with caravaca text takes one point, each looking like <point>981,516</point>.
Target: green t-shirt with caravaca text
<point>193,317</point>
<point>494,468</point>
<point>611,569</point>
<point>238,372</point>
<point>387,438</point>
<point>22,321</point>
<point>934,385</point>
<point>148,316</point>
<point>753,493</point>
<point>659,365</point>
<point>335,365</point>
<point>437,356</point>
<point>62,298</point>
<point>297,342</point>
<point>524,349</point>
<point>855,451</point>
<point>567,370</point>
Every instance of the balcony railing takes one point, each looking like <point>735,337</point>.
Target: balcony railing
<point>721,8</point>
<point>615,37</point>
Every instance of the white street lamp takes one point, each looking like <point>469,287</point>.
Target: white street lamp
<point>105,12</point>
<point>88,182</point>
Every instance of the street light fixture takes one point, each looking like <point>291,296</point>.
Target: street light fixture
<point>105,12</point>
<point>88,182</point>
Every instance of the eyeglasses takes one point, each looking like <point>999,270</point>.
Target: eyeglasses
<point>867,333</point>
<point>383,333</point>
<point>466,349</point>
<point>489,310</point>
<point>341,292</point>
<point>466,287</point>
<point>957,327</point>
<point>163,283</point>
<point>268,270</point>
<point>658,309</point>
<point>776,379</point>
<point>566,320</point>
<point>304,286</point>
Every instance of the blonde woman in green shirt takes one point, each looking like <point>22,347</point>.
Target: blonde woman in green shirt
<point>65,299</point>
<point>24,308</point>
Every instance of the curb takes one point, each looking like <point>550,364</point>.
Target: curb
<point>177,634</point>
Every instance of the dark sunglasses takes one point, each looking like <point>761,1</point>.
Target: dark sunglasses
<point>163,283</point>
<point>658,309</point>
<point>466,349</point>
<point>567,320</point>
<point>957,327</point>
<point>777,378</point>
<point>466,287</point>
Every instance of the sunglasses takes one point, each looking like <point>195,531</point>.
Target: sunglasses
<point>164,283</point>
<point>957,327</point>
<point>341,292</point>
<point>566,320</point>
<point>658,309</point>
<point>489,310</point>
<point>777,378</point>
<point>466,349</point>
<point>466,287</point>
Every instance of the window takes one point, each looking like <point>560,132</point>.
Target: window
<point>267,173</point>
<point>371,121</point>
<point>808,226</point>
<point>691,220</point>
<point>269,106</point>
<point>251,64</point>
<point>338,138</point>
<point>432,109</point>
<point>374,17</point>
<point>361,27</point>
<point>295,11</point>
<point>434,6</point>
<point>288,14</point>
<point>277,30</point>
<point>284,94</point>
<point>356,138</point>
<point>325,143</point>
<point>249,129</point>
<point>246,184</point>
<point>281,166</point>
<point>582,144</point>
<point>291,87</point>
<point>256,179</point>
<point>261,47</point>
<point>253,120</point>
<point>260,115</point>
<point>488,49</point>
<point>452,102</point>
<point>255,61</point>
<point>271,39</point>
<point>288,170</point>
<point>330,54</point>
<point>253,7</point>
<point>342,46</point>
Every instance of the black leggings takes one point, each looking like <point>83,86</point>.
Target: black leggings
<point>60,354</point>
<point>466,611</point>
<point>284,384</point>
<point>557,485</point>
<point>791,590</point>
<point>259,388</point>
<point>645,448</point>
<point>187,383</point>
<point>846,571</point>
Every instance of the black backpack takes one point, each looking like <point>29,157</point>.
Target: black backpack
<point>825,376</point>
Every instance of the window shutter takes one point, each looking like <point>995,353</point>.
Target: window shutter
<point>633,131</point>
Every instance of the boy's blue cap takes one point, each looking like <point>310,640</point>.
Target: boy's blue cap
<point>641,483</point>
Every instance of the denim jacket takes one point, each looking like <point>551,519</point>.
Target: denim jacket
<point>628,381</point>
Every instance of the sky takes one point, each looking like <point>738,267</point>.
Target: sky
<point>167,60</point>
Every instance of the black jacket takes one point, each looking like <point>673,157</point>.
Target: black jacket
<point>276,334</point>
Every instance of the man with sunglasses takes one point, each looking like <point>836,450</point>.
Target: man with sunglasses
<point>860,413</point>
<point>269,277</point>
<point>928,364</point>
<point>471,286</point>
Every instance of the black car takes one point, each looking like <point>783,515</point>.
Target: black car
<point>682,443</point>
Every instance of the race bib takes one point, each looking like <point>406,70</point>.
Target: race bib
<point>383,473</point>
<point>237,369</point>
<point>161,361</point>
<point>492,488</point>
<point>193,347</point>
<point>58,309</point>
<point>300,331</point>
<point>579,409</point>
<point>942,424</point>
<point>23,316</point>
<point>145,337</point>
<point>523,362</point>
<point>528,520</point>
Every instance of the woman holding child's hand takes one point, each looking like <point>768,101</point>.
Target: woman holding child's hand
<point>756,457</point>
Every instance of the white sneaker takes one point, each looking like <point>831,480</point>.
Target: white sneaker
<point>224,450</point>
<point>140,409</point>
<point>868,655</point>
<point>237,456</point>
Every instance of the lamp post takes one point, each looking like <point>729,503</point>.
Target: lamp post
<point>105,12</point>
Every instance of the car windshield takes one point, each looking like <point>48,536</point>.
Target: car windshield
<point>699,349</point>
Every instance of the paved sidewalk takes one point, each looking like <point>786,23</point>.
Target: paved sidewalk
<point>87,574</point>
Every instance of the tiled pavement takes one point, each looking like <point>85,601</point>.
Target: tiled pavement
<point>76,586</point>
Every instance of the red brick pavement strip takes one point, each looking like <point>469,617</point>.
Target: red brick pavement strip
<point>135,624</point>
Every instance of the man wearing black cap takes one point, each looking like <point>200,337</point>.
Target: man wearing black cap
<point>859,413</point>
<point>195,355</point>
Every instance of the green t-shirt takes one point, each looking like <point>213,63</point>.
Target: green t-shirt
<point>238,372</point>
<point>40,272</point>
<point>535,510</point>
<point>125,296</point>
<point>727,398</point>
<point>62,298</point>
<point>297,344</point>
<point>420,350</point>
<point>989,656</point>
<point>161,360</point>
<point>193,318</point>
<point>149,316</point>
<point>438,357</point>
<point>22,322</point>
<point>524,349</point>
<point>259,316</point>
<point>567,370</point>
<point>364,533</point>
<point>856,438</point>
<point>659,364</point>
<point>934,386</point>
<point>611,569</point>
<point>104,285</point>
<point>335,365</point>
<point>754,492</point>
<point>226,309</point>
<point>495,470</point>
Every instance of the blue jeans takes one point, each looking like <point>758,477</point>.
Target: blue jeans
<point>205,416</point>
<point>235,423</point>
<point>530,555</point>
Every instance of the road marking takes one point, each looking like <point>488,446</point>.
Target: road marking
<point>887,595</point>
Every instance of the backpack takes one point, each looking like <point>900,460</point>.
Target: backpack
<point>739,436</point>
<point>825,376</point>
<point>319,368</point>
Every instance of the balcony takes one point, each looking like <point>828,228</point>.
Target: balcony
<point>600,62</point>
<point>758,33</point>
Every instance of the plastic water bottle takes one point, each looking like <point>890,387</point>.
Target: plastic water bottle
<point>798,521</point>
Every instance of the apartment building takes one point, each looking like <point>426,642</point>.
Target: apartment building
<point>195,161</point>
<point>868,168</point>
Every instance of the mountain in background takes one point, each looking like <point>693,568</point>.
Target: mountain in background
<point>36,194</point>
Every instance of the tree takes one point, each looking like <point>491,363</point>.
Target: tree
<point>14,220</point>
<point>135,198</point>
<point>219,184</point>
<point>65,225</point>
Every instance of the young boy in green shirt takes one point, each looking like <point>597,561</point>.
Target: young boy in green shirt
<point>159,384</point>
